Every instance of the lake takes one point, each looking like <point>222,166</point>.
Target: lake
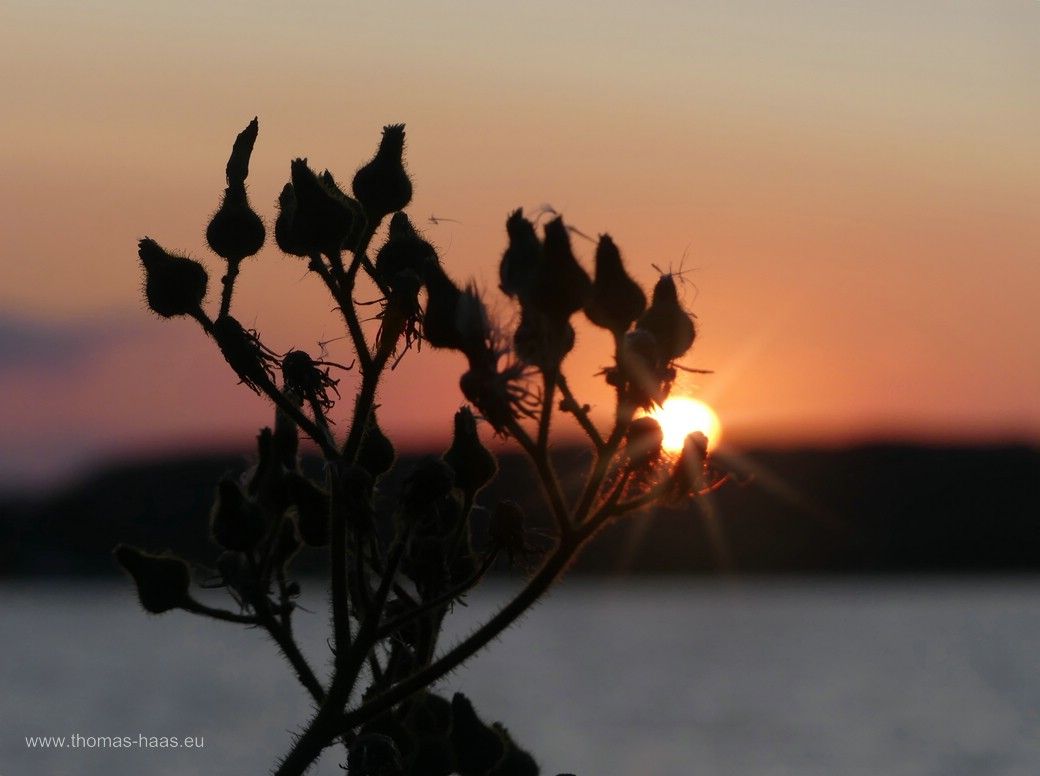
<point>783,677</point>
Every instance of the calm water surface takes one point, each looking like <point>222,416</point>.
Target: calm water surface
<point>765,678</point>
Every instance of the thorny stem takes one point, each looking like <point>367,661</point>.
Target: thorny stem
<point>433,604</point>
<point>539,583</point>
<point>540,458</point>
<point>283,637</point>
<point>549,388</point>
<point>229,286</point>
<point>197,607</point>
<point>570,404</point>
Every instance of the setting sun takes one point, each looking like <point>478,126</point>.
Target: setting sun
<point>681,415</point>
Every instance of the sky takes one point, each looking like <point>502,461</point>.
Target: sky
<point>851,191</point>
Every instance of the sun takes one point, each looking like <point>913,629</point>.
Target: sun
<point>681,415</point>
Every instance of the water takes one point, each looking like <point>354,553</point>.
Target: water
<point>771,678</point>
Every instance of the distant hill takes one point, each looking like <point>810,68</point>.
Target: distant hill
<point>879,508</point>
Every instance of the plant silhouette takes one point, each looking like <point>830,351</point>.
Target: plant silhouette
<point>395,571</point>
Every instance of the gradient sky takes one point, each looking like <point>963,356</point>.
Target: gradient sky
<point>854,189</point>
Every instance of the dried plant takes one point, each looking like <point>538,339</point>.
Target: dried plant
<point>395,571</point>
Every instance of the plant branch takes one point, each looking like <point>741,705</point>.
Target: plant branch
<point>543,579</point>
<point>229,286</point>
<point>546,474</point>
<point>570,404</point>
<point>402,620</point>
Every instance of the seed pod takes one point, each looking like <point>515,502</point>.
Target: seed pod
<point>426,564</point>
<point>616,299</point>
<point>312,509</point>
<point>688,474</point>
<point>174,285</point>
<point>430,480</point>
<point>236,522</point>
<point>665,318</point>
<point>643,442</point>
<point>374,754</point>
<point>162,580</point>
<point>506,529</point>
<point>562,287</point>
<point>442,299</point>
<point>473,464</point>
<point>235,230</point>
<point>541,341</point>
<point>403,250</point>
<point>639,361</point>
<point>433,756</point>
<point>358,222</point>
<point>376,454</point>
<point>473,327</point>
<point>286,232</point>
<point>252,362</point>
<point>521,259</point>
<point>515,762</point>
<point>429,715</point>
<point>382,186</point>
<point>478,748</point>
<point>324,217</point>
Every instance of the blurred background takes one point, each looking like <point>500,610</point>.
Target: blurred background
<point>849,192</point>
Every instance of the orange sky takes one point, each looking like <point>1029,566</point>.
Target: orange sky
<point>855,190</point>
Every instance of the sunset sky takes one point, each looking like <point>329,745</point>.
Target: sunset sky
<point>852,189</point>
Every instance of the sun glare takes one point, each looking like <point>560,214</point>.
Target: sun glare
<point>681,415</point>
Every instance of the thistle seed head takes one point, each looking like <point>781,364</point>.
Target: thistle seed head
<point>174,285</point>
<point>382,186</point>
<point>162,580</point>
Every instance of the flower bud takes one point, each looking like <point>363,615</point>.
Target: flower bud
<point>442,299</point>
<point>376,454</point>
<point>286,232</point>
<point>473,327</point>
<point>235,230</point>
<point>426,564</point>
<point>522,257</point>
<point>670,324</point>
<point>162,580</point>
<point>562,287</point>
<point>174,285</point>
<point>639,361</point>
<point>506,529</point>
<point>252,362</point>
<point>688,474</point>
<point>324,217</point>
<point>515,762</point>
<point>430,480</point>
<point>312,509</point>
<point>374,754</point>
<point>643,441</point>
<point>429,715</point>
<point>238,163</point>
<point>382,186</point>
<point>616,300</point>
<point>236,522</point>
<point>403,250</point>
<point>478,748</point>
<point>358,221</point>
<point>542,341</point>
<point>473,464</point>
